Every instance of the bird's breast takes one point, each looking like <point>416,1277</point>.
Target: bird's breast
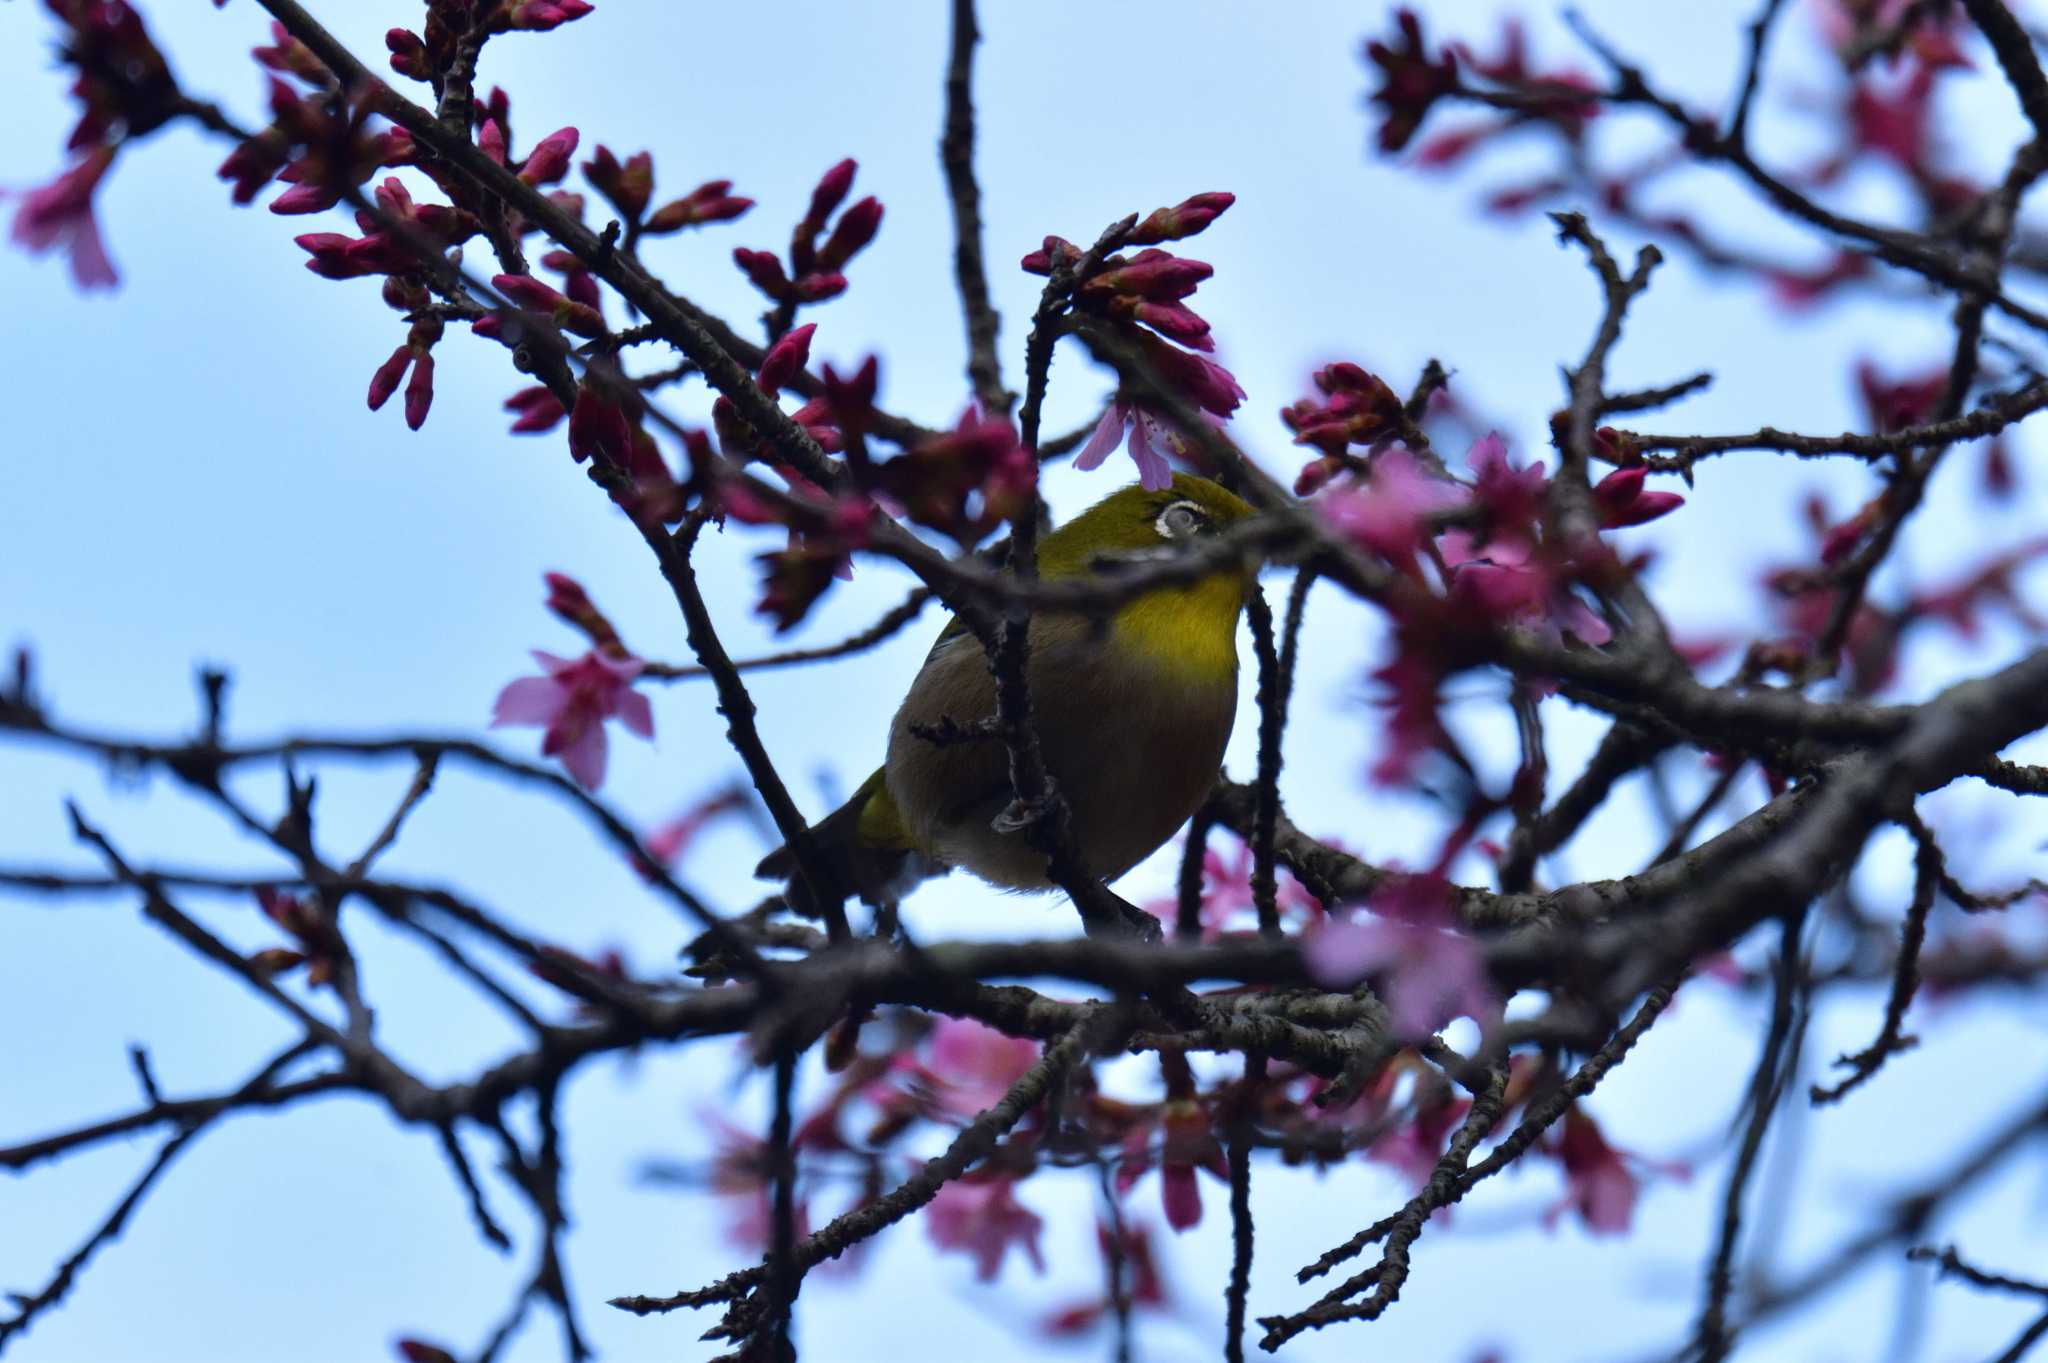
<point>1188,632</point>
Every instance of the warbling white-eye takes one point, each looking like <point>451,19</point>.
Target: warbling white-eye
<point>1132,718</point>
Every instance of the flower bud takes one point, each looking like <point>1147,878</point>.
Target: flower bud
<point>708,202</point>
<point>408,54</point>
<point>549,160</point>
<point>538,16</point>
<point>764,270</point>
<point>830,191</point>
<point>854,230</point>
<point>384,382</point>
<point>816,288</point>
<point>419,393</point>
<point>538,408</point>
<point>786,358</point>
<point>1184,219</point>
<point>628,186</point>
<point>1056,251</point>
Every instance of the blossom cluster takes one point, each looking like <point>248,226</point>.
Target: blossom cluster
<point>1143,297</point>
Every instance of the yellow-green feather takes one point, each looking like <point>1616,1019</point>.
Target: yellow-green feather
<point>1188,632</point>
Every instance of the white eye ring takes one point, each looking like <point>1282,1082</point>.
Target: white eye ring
<point>1172,526</point>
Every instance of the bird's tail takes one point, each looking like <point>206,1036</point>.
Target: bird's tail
<point>864,851</point>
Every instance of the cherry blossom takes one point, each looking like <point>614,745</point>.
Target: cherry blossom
<point>572,701</point>
<point>1430,974</point>
<point>59,217</point>
<point>982,1217</point>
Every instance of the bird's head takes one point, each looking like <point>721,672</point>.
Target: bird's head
<point>1134,519</point>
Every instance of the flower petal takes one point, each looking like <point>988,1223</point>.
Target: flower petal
<point>584,757</point>
<point>529,700</point>
<point>1154,473</point>
<point>636,714</point>
<point>1108,432</point>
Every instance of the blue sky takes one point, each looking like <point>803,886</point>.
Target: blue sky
<point>192,478</point>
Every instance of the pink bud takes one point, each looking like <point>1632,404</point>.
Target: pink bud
<point>538,16</point>
<point>408,54</point>
<point>765,270</point>
<point>832,188</point>
<point>538,408</point>
<point>549,160</point>
<point>1315,474</point>
<point>854,230</point>
<point>1055,252</point>
<point>419,393</point>
<point>1184,219</point>
<point>597,427</point>
<point>1176,322</point>
<point>854,394</point>
<point>628,186</point>
<point>384,382</point>
<point>708,202</point>
<point>251,165</point>
<point>304,199</point>
<point>816,288</point>
<point>1619,488</point>
<point>491,139</point>
<point>527,292</point>
<point>1620,499</point>
<point>1153,274</point>
<point>536,296</point>
<point>786,358</point>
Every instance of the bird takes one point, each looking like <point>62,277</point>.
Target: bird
<point>1132,717</point>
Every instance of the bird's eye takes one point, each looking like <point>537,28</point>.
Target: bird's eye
<point>1180,521</point>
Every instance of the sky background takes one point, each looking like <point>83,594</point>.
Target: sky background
<point>190,478</point>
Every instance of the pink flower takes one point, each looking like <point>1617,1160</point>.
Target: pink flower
<point>984,1219</point>
<point>59,216</point>
<point>1414,1148</point>
<point>1186,1143</point>
<point>1410,81</point>
<point>1144,1288</point>
<point>1512,497</point>
<point>1391,512</point>
<point>1796,289</point>
<point>1414,703</point>
<point>1599,1185</point>
<point>1227,894</point>
<point>573,700</point>
<point>1205,383</point>
<point>1431,974</point>
<point>667,842</point>
<point>1896,403</point>
<point>740,1177</point>
<point>964,482</point>
<point>1147,433</point>
<point>974,1065</point>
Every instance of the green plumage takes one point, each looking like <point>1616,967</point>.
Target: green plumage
<point>1132,718</point>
